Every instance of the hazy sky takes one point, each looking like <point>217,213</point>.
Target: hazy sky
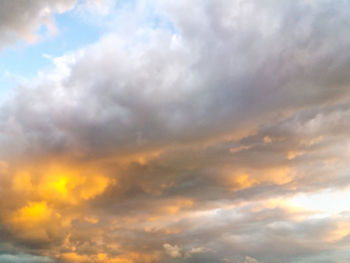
<point>174,131</point>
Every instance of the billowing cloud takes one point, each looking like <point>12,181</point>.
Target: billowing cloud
<point>186,141</point>
<point>22,19</point>
<point>25,20</point>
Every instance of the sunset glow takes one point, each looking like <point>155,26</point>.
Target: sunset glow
<point>174,131</point>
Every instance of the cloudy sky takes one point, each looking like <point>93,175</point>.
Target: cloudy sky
<point>202,131</point>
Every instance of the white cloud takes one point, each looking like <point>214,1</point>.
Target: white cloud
<point>173,251</point>
<point>250,260</point>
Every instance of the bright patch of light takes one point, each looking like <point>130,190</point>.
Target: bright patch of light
<point>325,203</point>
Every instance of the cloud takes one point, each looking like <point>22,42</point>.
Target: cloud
<point>156,93</point>
<point>22,20</point>
<point>250,260</point>
<point>172,251</point>
<point>183,141</point>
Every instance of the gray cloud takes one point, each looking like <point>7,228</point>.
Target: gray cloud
<point>209,84</point>
<point>20,20</point>
<point>232,105</point>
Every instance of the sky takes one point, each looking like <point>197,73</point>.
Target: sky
<point>202,131</point>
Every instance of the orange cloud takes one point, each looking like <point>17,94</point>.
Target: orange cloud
<point>178,205</point>
<point>131,257</point>
<point>60,184</point>
<point>50,197</point>
<point>37,221</point>
<point>245,179</point>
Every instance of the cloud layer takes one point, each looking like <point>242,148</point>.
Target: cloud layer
<point>185,141</point>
